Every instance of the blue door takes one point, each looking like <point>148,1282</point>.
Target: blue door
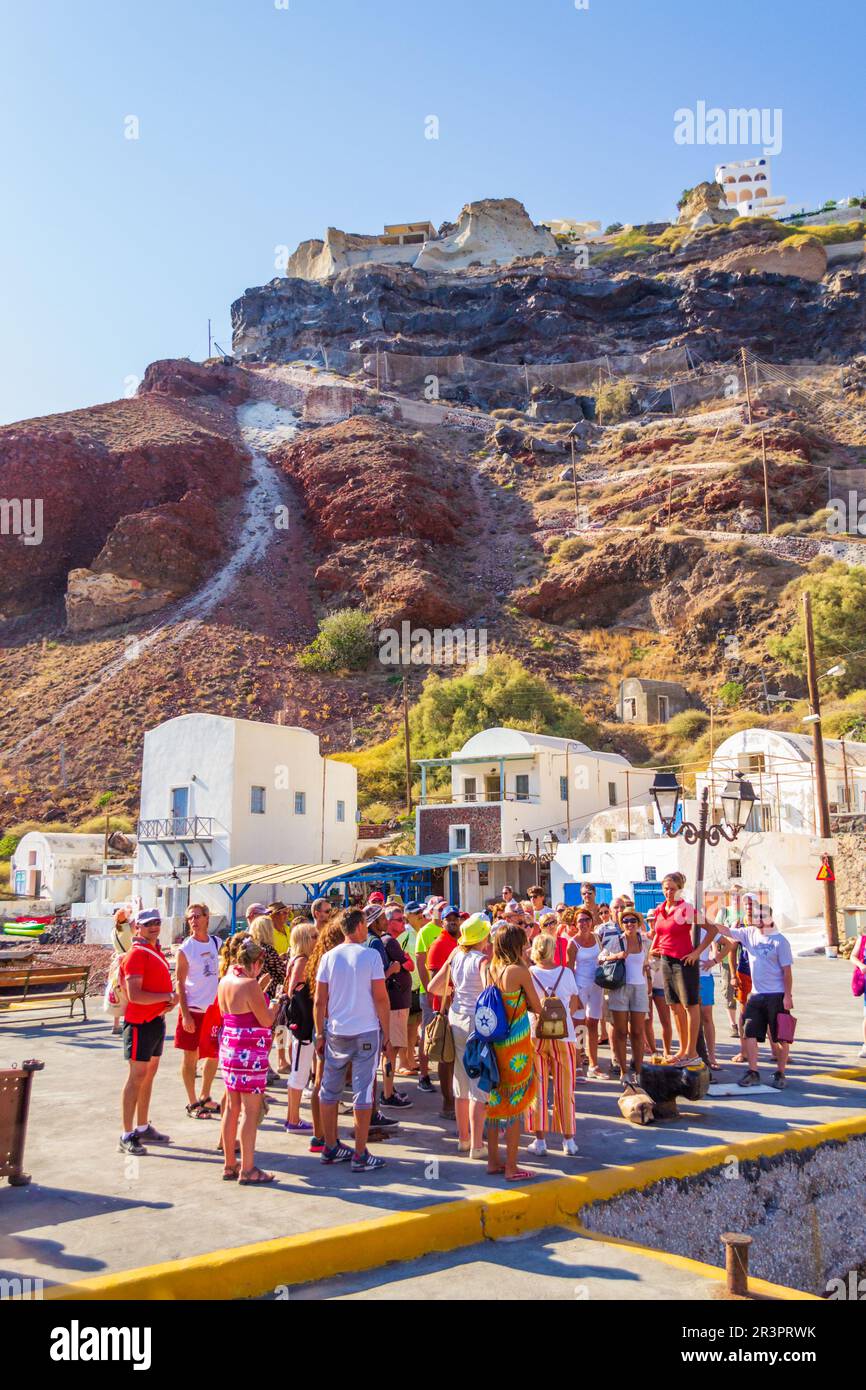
<point>454,887</point>
<point>647,895</point>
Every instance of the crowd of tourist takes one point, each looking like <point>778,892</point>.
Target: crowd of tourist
<point>504,1012</point>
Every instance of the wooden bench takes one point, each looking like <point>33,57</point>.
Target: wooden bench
<point>15,1084</point>
<point>34,988</point>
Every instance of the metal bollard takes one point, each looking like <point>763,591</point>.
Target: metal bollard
<point>737,1263</point>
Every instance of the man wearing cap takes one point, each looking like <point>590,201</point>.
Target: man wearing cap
<point>146,978</point>
<point>439,952</point>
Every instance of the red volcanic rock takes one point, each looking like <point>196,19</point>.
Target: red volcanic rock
<point>597,586</point>
<point>387,510</point>
<point>91,468</point>
<point>187,380</point>
<point>171,546</point>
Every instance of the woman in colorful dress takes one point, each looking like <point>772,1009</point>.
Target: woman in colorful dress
<point>245,1041</point>
<point>515,1095</point>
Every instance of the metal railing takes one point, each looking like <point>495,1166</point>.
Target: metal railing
<point>176,828</point>
<point>478,799</point>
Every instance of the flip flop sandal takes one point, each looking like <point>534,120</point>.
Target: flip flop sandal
<point>193,1109</point>
<point>207,1109</point>
<point>258,1181</point>
<point>231,1174</point>
<point>522,1175</point>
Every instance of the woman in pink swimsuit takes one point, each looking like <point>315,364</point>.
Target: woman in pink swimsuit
<point>245,1041</point>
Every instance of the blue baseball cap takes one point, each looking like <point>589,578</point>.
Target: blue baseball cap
<point>449,910</point>
<point>414,907</point>
<point>147,917</point>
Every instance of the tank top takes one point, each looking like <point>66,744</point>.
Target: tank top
<point>467,981</point>
<point>586,964</point>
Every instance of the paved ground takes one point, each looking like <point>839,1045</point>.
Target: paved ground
<point>551,1264</point>
<point>90,1210</point>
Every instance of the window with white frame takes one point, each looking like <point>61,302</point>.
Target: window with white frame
<point>300,803</point>
<point>470,792</point>
<point>611,793</point>
<point>257,801</point>
<point>563,788</point>
<point>458,837</point>
<point>586,863</point>
<point>521,786</point>
<point>341,812</point>
<point>649,873</point>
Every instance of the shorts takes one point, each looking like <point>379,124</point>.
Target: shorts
<point>427,1010</point>
<point>300,1061</point>
<point>465,1088</point>
<point>633,999</point>
<point>398,1028</point>
<point>658,993</point>
<point>762,1010</point>
<point>682,982</point>
<point>189,1042</point>
<point>592,999</point>
<point>708,991</point>
<point>359,1055</point>
<point>143,1041</point>
<point>728,983</point>
<point>415,1004</point>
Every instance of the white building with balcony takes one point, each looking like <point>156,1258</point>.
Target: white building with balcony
<point>219,792</point>
<point>747,185</point>
<point>504,784</point>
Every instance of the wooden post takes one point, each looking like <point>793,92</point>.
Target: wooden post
<point>670,491</point>
<point>737,1263</point>
<point>845,774</point>
<point>406,742</point>
<point>574,482</point>
<point>627,805</point>
<point>746,381</point>
<point>830,918</point>
<point>766,486</point>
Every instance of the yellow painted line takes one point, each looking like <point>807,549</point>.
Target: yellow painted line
<point>250,1270</point>
<point>844,1074</point>
<point>714,1273</point>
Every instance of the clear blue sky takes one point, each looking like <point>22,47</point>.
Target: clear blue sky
<point>260,125</point>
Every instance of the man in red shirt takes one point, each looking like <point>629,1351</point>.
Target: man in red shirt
<point>439,952</point>
<point>146,978</point>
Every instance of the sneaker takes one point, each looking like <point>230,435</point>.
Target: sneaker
<point>132,1145</point>
<point>751,1078</point>
<point>594,1074</point>
<point>426,1085</point>
<point>366,1163</point>
<point>862,1052</point>
<point>380,1121</point>
<point>302,1127</point>
<point>317,1145</point>
<point>340,1153</point>
<point>615,1071</point>
<point>152,1135</point>
<point>538,1148</point>
<point>570,1147</point>
<point>779,1081</point>
<point>397,1101</point>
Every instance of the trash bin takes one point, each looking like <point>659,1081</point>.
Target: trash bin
<point>15,1084</point>
<point>855,920</point>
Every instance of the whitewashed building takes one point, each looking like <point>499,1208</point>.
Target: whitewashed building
<point>777,855</point>
<point>53,867</point>
<point>218,792</point>
<point>747,186</point>
<point>504,784</point>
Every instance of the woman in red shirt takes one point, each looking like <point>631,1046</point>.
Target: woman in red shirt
<point>672,940</point>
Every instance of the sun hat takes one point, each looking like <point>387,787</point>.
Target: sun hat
<point>372,912</point>
<point>474,930</point>
<point>513,908</point>
<point>257,910</point>
<point>393,900</point>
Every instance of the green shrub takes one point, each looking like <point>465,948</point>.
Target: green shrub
<point>571,549</point>
<point>614,402</point>
<point>688,724</point>
<point>344,642</point>
<point>731,693</point>
<point>376,812</point>
<point>838,619</point>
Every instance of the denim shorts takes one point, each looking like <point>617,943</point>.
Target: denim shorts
<point>708,990</point>
<point>360,1056</point>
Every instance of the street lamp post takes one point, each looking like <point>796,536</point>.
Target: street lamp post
<point>738,799</point>
<point>543,853</point>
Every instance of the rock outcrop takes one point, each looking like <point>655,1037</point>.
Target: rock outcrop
<point>801,256</point>
<point>706,206</point>
<point>390,515</point>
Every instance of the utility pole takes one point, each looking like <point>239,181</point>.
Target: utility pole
<point>670,492</point>
<point>574,481</point>
<point>209,339</point>
<point>830,916</point>
<point>406,742</point>
<point>746,380</point>
<point>766,485</point>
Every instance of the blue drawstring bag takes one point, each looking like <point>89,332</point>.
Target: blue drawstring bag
<point>491,1021</point>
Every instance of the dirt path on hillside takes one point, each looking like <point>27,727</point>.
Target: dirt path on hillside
<point>263,426</point>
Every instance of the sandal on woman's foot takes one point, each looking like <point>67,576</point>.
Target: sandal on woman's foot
<point>193,1108</point>
<point>493,1172</point>
<point>207,1108</point>
<point>231,1174</point>
<point>520,1175</point>
<point>254,1177</point>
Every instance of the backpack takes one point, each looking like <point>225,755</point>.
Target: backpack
<point>552,1021</point>
<point>491,1021</point>
<point>299,1013</point>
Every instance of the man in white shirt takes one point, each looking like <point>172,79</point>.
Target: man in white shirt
<point>352,1017</point>
<point>771,960</point>
<point>197,981</point>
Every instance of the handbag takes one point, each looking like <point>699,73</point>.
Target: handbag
<point>786,1027</point>
<point>438,1037</point>
<point>611,973</point>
